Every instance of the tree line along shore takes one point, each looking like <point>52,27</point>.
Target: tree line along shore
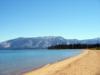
<point>76,46</point>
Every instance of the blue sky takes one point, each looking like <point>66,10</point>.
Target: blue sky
<point>78,19</point>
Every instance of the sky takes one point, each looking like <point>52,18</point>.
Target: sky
<point>71,19</point>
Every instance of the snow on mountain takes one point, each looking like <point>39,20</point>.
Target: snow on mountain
<point>36,42</point>
<point>43,42</point>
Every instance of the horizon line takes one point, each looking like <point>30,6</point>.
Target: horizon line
<point>50,36</point>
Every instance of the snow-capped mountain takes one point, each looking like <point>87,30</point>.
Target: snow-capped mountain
<point>36,42</point>
<point>91,41</point>
<point>43,42</point>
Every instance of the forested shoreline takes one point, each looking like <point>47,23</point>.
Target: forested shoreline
<point>75,46</point>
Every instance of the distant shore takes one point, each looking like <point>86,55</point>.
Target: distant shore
<point>86,63</point>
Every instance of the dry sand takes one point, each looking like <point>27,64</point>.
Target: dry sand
<point>87,63</point>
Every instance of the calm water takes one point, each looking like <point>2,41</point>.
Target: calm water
<point>14,62</point>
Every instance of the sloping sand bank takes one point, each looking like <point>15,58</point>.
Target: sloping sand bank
<point>87,63</point>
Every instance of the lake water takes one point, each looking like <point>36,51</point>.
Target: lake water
<point>15,62</point>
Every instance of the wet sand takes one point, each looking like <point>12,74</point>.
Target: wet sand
<point>86,63</point>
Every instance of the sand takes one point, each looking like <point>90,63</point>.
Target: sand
<point>86,63</point>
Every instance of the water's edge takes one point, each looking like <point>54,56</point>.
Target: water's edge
<point>19,62</point>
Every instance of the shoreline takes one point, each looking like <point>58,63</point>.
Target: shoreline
<point>34,69</point>
<point>58,68</point>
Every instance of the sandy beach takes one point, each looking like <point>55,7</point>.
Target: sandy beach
<point>86,63</point>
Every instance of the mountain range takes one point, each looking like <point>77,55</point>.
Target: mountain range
<point>43,42</point>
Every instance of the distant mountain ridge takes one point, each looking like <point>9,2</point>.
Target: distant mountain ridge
<point>43,42</point>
